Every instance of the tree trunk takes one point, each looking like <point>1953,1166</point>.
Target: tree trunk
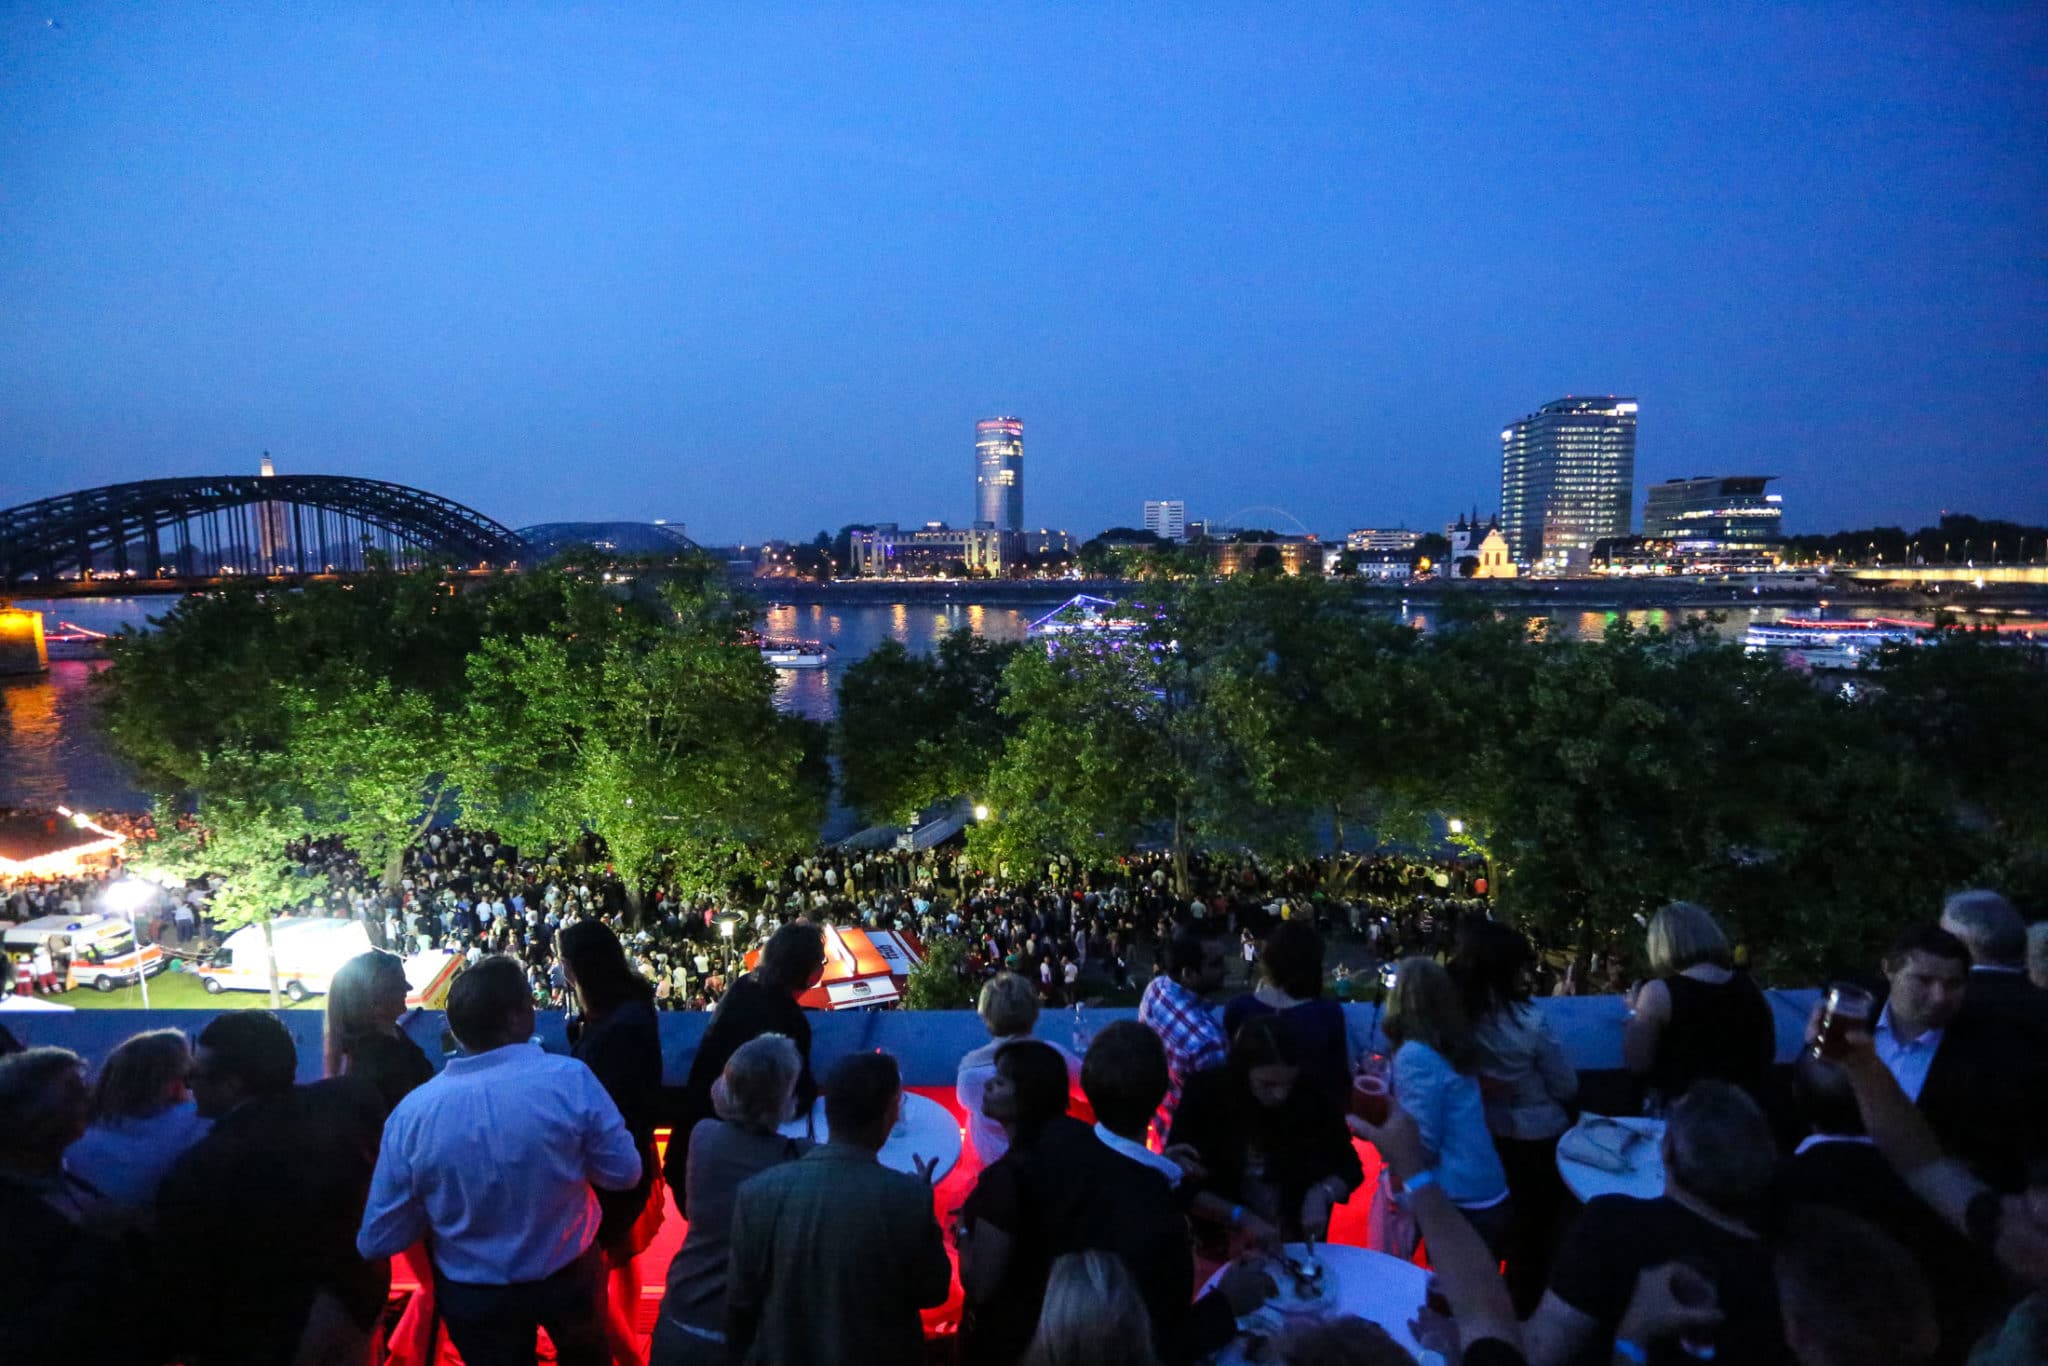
<point>634,899</point>
<point>394,869</point>
<point>1181,880</point>
<point>270,954</point>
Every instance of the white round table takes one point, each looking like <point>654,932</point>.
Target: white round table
<point>1372,1285</point>
<point>925,1129</point>
<point>1644,1178</point>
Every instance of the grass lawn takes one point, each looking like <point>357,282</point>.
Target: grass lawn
<point>177,991</point>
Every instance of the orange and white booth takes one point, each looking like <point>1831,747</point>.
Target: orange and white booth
<point>862,968</point>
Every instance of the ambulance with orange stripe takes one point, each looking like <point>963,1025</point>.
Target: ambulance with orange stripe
<point>102,948</point>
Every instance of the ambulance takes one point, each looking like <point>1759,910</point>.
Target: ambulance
<point>310,950</point>
<point>102,948</point>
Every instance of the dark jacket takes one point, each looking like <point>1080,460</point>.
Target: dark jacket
<point>393,1064</point>
<point>624,1051</point>
<point>2002,997</point>
<point>1304,1141</point>
<point>1317,1030</point>
<point>749,1010</point>
<point>55,1277</point>
<point>268,1204</point>
<point>833,1256</point>
<point>1986,1096</point>
<point>1073,1193</point>
<point>1855,1178</point>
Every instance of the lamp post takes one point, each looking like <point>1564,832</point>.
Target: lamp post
<point>725,927</point>
<point>128,896</point>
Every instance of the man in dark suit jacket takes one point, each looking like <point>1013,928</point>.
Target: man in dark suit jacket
<point>833,1255</point>
<point>1980,1081</point>
<point>1837,1166</point>
<point>1999,990</point>
<point>267,1204</point>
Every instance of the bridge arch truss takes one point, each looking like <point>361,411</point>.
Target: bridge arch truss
<point>244,524</point>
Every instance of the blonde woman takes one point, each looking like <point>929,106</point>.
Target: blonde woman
<point>1008,1007</point>
<point>364,1003</point>
<point>142,1119</point>
<point>1699,1016</point>
<point>362,1040</point>
<point>753,1096</point>
<point>1092,1316</point>
<point>1436,1079</point>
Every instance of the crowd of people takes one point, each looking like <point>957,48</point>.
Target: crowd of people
<point>1077,934</point>
<point>1884,1200</point>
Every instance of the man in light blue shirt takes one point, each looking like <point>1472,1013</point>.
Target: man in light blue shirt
<point>1926,995</point>
<point>493,1160</point>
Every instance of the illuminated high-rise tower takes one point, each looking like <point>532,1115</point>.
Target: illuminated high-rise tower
<point>999,473</point>
<point>273,527</point>
<point>1567,479</point>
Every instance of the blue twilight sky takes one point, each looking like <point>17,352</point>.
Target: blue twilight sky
<point>759,268</point>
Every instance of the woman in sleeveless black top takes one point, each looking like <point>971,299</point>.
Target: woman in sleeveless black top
<point>1701,1016</point>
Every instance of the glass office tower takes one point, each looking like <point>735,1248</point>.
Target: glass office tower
<point>1716,515</point>
<point>999,473</point>
<point>1567,479</point>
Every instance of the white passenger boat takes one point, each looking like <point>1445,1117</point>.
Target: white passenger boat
<point>795,654</point>
<point>1821,643</point>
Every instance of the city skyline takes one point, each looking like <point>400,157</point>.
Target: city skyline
<point>557,268</point>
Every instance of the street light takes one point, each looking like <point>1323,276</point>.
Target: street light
<point>981,811</point>
<point>726,922</point>
<point>128,896</point>
<point>1457,826</point>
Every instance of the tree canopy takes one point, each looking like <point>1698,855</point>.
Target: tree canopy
<point>551,704</point>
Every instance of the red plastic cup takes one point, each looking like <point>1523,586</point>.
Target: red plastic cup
<point>1369,1099</point>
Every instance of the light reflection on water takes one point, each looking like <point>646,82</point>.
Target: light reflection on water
<point>50,752</point>
<point>854,631</point>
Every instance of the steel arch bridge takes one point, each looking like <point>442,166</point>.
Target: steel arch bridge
<point>243,524</point>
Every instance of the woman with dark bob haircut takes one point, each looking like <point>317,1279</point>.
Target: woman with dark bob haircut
<point>1003,1268</point>
<point>1290,991</point>
<point>1274,1147</point>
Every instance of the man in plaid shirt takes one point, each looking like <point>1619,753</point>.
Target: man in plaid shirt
<point>1172,1008</point>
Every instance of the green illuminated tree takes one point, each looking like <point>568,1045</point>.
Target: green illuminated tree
<point>918,729</point>
<point>1115,743</point>
<point>1336,717</point>
<point>662,741</point>
<point>238,850</point>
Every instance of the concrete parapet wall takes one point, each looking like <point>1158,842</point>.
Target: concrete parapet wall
<point>928,1043</point>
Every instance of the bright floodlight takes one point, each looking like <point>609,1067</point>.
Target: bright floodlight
<point>981,811</point>
<point>725,927</point>
<point>1457,826</point>
<point>129,895</point>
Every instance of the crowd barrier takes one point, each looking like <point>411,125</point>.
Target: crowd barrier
<point>928,1044</point>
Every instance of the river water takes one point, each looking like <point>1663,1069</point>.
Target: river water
<point>50,751</point>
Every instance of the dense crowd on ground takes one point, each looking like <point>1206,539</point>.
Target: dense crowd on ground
<point>1882,1201</point>
<point>1081,934</point>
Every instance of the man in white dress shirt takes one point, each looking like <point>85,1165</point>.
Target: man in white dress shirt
<point>492,1162</point>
